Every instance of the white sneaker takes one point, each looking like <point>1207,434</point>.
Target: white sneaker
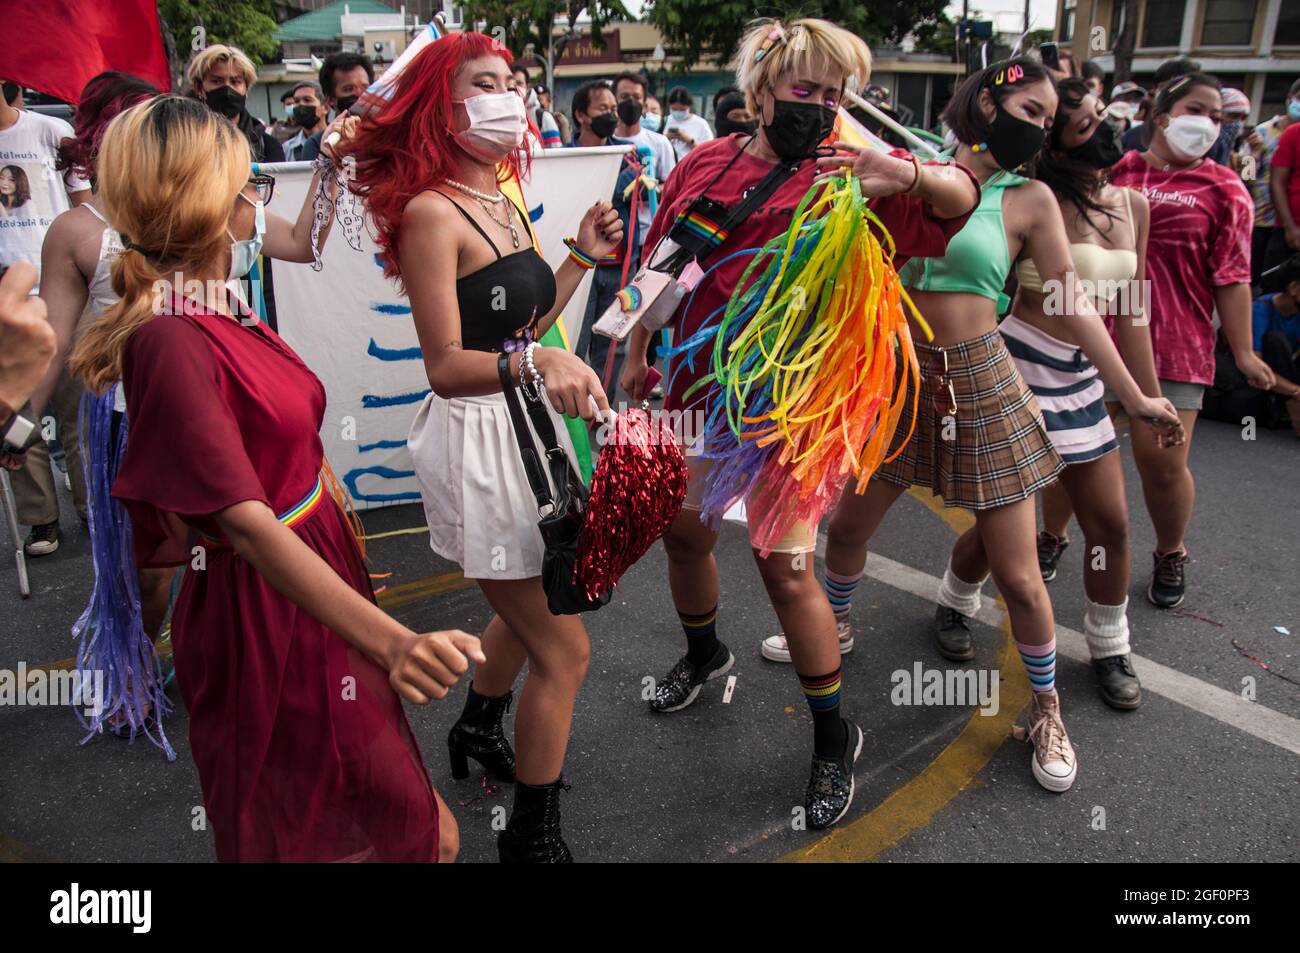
<point>776,649</point>
<point>1054,762</point>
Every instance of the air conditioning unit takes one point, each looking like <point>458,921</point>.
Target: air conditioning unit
<point>385,50</point>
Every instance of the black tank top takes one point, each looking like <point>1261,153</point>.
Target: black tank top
<point>501,303</point>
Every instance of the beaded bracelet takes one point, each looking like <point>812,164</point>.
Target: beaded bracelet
<point>578,256</point>
<point>527,366</point>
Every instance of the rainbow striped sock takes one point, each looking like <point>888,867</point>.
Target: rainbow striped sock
<point>839,590</point>
<point>823,694</point>
<point>1040,663</point>
<point>701,635</point>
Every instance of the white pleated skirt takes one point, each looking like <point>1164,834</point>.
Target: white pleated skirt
<point>481,512</point>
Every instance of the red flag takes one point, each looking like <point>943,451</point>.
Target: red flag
<point>59,46</point>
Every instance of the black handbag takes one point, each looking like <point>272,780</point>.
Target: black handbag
<point>561,515</point>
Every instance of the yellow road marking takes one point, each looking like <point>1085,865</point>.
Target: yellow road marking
<point>958,520</point>
<point>395,596</point>
<point>16,852</point>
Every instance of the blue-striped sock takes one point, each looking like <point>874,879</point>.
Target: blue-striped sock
<point>839,590</point>
<point>1040,663</point>
<point>701,635</point>
<point>823,694</point>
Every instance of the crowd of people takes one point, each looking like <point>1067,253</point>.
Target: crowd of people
<point>1073,257</point>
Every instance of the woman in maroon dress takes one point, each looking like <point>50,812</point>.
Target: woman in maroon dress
<point>290,672</point>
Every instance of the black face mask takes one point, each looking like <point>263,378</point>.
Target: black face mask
<point>797,128</point>
<point>10,92</point>
<point>305,116</point>
<point>345,103</point>
<point>603,125</point>
<point>226,101</point>
<point>1101,151</point>
<point>629,111</point>
<point>1013,141</point>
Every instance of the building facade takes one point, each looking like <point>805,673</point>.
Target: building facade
<point>1252,45</point>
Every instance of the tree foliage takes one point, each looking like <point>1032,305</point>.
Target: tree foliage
<point>524,22</point>
<point>247,24</point>
<point>695,28</point>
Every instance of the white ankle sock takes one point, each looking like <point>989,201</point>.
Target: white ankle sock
<point>958,594</point>
<point>1106,629</point>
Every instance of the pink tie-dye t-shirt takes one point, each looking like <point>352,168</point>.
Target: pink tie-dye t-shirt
<point>1199,240</point>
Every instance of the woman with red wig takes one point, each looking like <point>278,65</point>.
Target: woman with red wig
<point>430,165</point>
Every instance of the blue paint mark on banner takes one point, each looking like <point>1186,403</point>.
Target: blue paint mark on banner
<point>392,353</point>
<point>388,473</point>
<point>381,445</point>
<point>379,259</point>
<point>535,213</point>
<point>380,308</point>
<point>371,401</point>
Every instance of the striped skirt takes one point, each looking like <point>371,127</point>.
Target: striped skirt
<point>1068,388</point>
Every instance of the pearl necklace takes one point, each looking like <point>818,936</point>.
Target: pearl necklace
<point>483,199</point>
<point>481,196</point>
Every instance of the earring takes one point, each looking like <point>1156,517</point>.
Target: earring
<point>980,147</point>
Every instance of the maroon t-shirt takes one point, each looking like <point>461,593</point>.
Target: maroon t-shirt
<point>915,231</point>
<point>1201,221</point>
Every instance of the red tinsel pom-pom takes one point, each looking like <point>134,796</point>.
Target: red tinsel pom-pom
<point>636,493</point>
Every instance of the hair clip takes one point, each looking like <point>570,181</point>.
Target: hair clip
<point>1010,75</point>
<point>776,34</point>
<point>1178,84</point>
<point>798,39</point>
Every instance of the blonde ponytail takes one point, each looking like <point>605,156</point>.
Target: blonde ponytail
<point>168,173</point>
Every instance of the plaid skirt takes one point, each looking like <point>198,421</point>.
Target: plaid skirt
<point>993,450</point>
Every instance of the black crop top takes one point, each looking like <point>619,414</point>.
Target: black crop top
<point>501,303</point>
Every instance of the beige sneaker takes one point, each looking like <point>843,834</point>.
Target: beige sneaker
<point>775,648</point>
<point>1054,761</point>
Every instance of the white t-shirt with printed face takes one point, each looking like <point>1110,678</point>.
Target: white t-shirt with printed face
<point>32,191</point>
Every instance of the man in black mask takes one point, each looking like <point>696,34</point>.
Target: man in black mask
<point>731,115</point>
<point>309,114</point>
<point>221,76</point>
<point>595,112</point>
<point>343,77</point>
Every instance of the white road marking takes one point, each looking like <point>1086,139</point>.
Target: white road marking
<point>1218,703</point>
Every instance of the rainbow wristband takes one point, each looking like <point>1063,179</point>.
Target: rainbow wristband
<point>578,256</point>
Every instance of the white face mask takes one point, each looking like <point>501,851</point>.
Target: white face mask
<point>497,123</point>
<point>1191,137</point>
<point>244,253</point>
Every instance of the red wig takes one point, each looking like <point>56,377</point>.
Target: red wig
<point>103,97</point>
<point>409,145</point>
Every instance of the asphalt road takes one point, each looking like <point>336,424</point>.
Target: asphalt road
<point>1191,776</point>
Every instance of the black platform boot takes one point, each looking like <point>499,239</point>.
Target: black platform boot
<point>478,734</point>
<point>532,835</point>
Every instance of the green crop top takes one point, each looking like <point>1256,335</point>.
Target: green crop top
<point>977,260</point>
